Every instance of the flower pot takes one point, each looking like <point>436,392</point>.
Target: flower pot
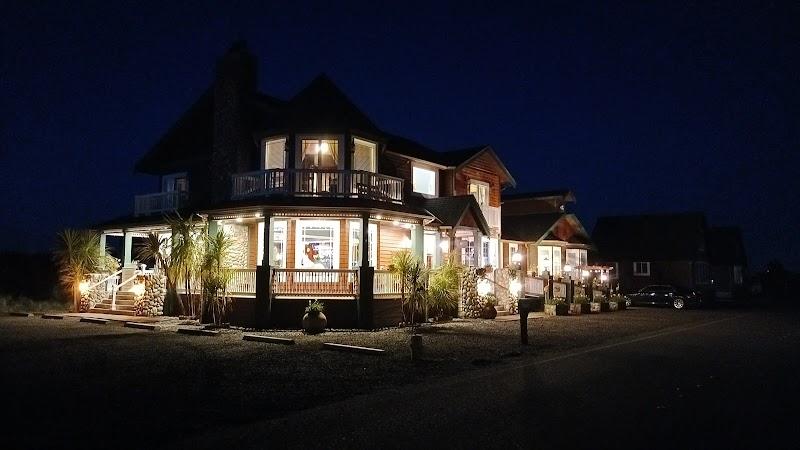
<point>594,307</point>
<point>574,309</point>
<point>488,312</point>
<point>622,305</point>
<point>604,307</point>
<point>586,308</point>
<point>314,323</point>
<point>613,306</point>
<point>556,310</point>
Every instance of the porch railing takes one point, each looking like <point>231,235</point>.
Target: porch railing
<point>159,202</point>
<point>533,286</point>
<point>386,283</point>
<point>315,282</point>
<point>243,281</point>
<point>318,183</point>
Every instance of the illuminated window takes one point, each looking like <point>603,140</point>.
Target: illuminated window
<point>355,244</point>
<point>364,157</point>
<point>424,180</point>
<point>317,244</point>
<point>278,243</point>
<point>320,154</point>
<point>274,154</point>
<point>481,192</point>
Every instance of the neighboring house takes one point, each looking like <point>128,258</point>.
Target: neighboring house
<point>728,261</point>
<point>537,227</point>
<point>303,186</point>
<point>654,249</point>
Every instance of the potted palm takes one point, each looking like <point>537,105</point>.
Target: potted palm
<point>314,321</point>
<point>556,306</point>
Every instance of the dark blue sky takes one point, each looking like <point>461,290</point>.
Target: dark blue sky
<point>636,107</point>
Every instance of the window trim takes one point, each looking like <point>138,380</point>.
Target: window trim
<point>374,154</point>
<point>170,178</point>
<point>637,273</point>
<point>298,240</point>
<point>488,187</point>
<point>435,171</point>
<point>298,147</point>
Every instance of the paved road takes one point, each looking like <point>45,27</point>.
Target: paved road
<point>727,382</point>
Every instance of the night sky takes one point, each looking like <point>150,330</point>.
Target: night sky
<point>635,107</point>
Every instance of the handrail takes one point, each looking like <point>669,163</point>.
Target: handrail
<point>318,183</point>
<point>136,273</point>
<point>104,280</point>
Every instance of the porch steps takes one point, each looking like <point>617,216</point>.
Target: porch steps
<point>124,304</point>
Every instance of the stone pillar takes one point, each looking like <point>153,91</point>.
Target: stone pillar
<point>418,242</point>
<point>263,308</point>
<point>477,243</point>
<point>128,247</point>
<point>366,278</point>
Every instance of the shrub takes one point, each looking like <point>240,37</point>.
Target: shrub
<point>315,307</point>
<point>443,289</point>
<point>555,301</point>
<point>580,299</point>
<point>489,300</point>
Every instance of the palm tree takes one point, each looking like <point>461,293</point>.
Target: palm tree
<point>157,248</point>
<point>400,264</point>
<point>216,274</point>
<point>77,255</point>
<point>443,287</point>
<point>186,255</point>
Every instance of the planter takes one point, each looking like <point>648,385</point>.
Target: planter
<point>314,323</point>
<point>575,309</point>
<point>613,306</point>
<point>594,307</point>
<point>488,312</point>
<point>604,307</point>
<point>556,310</point>
<point>585,307</point>
<point>622,305</point>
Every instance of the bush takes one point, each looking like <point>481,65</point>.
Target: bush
<point>315,307</point>
<point>443,289</point>
<point>580,299</point>
<point>555,301</point>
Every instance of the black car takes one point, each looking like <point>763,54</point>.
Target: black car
<point>664,295</point>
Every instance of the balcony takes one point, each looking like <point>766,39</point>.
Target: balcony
<point>318,183</point>
<point>160,202</point>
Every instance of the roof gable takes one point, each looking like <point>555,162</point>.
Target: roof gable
<point>461,210</point>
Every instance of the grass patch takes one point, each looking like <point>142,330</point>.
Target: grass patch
<point>9,303</point>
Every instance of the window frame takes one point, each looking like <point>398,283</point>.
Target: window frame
<point>264,144</point>
<point>483,184</point>
<point>298,148</point>
<point>335,225</point>
<point>638,273</point>
<point>353,257</point>
<point>168,182</point>
<point>276,225</point>
<point>367,142</point>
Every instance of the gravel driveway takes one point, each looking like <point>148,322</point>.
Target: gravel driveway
<point>86,384</point>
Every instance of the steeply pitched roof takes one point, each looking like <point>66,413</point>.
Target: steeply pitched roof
<point>725,246</point>
<point>536,227</point>
<point>450,211</point>
<point>657,237</point>
<point>322,106</point>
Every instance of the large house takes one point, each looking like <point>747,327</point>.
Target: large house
<point>728,262</point>
<point>655,249</point>
<point>303,186</point>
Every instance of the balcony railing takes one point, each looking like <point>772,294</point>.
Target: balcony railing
<point>160,202</point>
<point>315,282</point>
<point>318,183</point>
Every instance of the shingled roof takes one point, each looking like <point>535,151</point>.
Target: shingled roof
<point>656,237</point>
<point>537,227</point>
<point>725,246</point>
<point>450,211</point>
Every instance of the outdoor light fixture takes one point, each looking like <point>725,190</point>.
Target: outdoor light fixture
<point>323,147</point>
<point>83,286</point>
<point>444,245</point>
<point>239,220</point>
<point>603,277</point>
<point>516,257</point>
<point>585,273</point>
<point>138,289</point>
<point>484,287</point>
<point>395,223</point>
<point>257,215</point>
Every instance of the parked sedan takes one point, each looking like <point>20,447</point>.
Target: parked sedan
<point>664,295</point>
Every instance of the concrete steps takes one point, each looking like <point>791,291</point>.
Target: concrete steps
<point>123,304</point>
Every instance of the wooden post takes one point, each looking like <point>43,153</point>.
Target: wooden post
<point>263,308</point>
<point>366,278</point>
<point>127,260</point>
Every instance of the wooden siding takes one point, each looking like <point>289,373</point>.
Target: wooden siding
<point>252,245</point>
<point>485,169</point>
<point>390,238</point>
<point>290,246</point>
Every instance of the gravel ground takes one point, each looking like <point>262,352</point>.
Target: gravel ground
<point>140,387</point>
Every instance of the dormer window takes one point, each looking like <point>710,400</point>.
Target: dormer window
<point>480,190</point>
<point>364,155</point>
<point>273,154</point>
<point>424,180</point>
<point>175,182</point>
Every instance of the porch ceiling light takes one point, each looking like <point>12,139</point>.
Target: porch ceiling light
<point>239,220</point>
<point>603,277</point>
<point>585,273</point>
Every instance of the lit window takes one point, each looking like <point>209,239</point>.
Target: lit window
<point>317,244</point>
<point>278,244</point>
<point>355,244</point>
<point>320,154</point>
<point>364,155</point>
<point>480,191</point>
<point>424,180</point>
<point>274,154</point>
<point>641,269</point>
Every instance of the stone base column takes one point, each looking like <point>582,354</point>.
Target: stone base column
<point>364,303</point>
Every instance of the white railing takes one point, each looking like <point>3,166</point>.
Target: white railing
<point>386,283</point>
<point>158,203</point>
<point>243,282</point>
<point>533,286</point>
<point>315,282</point>
<point>318,183</point>
<point>492,216</point>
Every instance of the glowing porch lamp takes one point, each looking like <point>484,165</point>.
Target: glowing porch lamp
<point>83,286</point>
<point>445,245</point>
<point>515,287</point>
<point>484,287</point>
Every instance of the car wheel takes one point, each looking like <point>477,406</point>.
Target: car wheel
<point>678,303</point>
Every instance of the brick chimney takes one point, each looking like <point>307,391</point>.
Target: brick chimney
<point>234,85</point>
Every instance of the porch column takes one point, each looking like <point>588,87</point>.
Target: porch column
<point>477,243</point>
<point>418,242</point>
<point>437,250</point>
<point>213,227</point>
<point>366,278</point>
<point>128,237</point>
<point>263,310</point>
<point>103,243</point>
